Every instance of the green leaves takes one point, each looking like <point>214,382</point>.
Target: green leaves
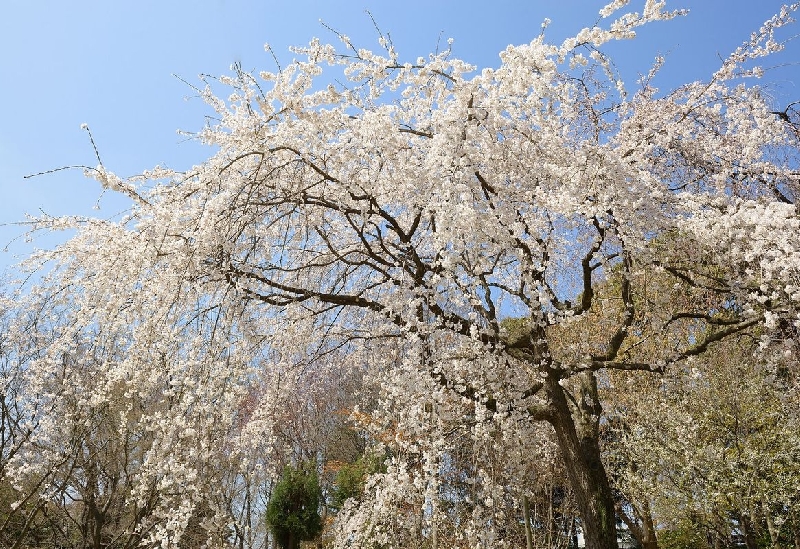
<point>351,477</point>
<point>293,510</point>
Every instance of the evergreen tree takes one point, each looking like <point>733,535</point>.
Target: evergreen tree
<point>293,510</point>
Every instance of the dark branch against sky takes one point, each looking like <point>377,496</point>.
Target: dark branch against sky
<point>113,66</point>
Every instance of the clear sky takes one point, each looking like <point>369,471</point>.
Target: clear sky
<point>110,64</point>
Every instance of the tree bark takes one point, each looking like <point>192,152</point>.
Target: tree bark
<point>748,531</point>
<point>580,448</point>
<point>796,528</point>
<point>643,531</point>
<point>526,517</point>
<point>649,539</point>
<point>774,533</point>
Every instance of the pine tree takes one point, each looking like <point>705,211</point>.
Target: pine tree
<point>293,510</point>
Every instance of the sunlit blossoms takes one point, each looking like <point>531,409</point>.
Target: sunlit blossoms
<point>426,276</point>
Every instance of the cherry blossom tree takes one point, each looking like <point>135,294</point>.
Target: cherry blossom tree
<point>722,467</point>
<point>401,217</point>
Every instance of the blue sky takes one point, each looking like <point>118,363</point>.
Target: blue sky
<point>111,65</point>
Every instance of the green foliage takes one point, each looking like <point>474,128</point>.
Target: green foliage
<point>686,535</point>
<point>350,479</point>
<point>293,510</point>
<point>515,331</point>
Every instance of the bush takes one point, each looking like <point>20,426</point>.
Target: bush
<point>349,481</point>
<point>685,535</point>
<point>293,510</point>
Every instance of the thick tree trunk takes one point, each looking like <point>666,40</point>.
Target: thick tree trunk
<point>748,531</point>
<point>580,449</point>
<point>649,539</point>
<point>774,533</point>
<point>644,530</point>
